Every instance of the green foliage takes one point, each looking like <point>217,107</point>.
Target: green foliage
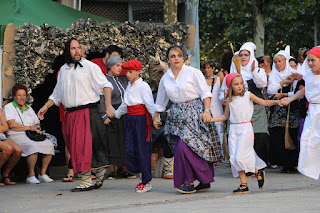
<point>225,21</point>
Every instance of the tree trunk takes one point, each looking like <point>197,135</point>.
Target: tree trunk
<point>259,28</point>
<point>170,10</point>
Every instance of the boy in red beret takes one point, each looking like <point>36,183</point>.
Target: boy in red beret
<point>139,105</point>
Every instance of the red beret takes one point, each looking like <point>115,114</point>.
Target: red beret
<point>132,65</point>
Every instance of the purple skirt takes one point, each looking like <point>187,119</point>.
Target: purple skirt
<point>188,166</point>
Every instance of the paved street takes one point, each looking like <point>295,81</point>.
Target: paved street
<point>283,193</point>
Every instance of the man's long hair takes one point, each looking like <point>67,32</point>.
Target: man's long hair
<point>67,53</point>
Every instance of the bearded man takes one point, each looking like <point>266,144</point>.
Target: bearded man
<point>79,86</point>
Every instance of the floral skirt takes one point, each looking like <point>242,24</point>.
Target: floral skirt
<point>184,120</point>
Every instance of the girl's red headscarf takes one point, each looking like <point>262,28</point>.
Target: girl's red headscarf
<point>229,78</point>
<point>315,51</point>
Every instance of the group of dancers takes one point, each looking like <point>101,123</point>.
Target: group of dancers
<point>190,128</point>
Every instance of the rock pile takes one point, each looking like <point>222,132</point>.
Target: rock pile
<point>38,46</point>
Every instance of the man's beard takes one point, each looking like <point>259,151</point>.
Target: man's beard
<point>75,61</point>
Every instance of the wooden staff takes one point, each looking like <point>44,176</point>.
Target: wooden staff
<point>225,147</point>
<point>236,60</point>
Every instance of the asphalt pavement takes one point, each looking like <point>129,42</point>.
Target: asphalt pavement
<point>290,192</point>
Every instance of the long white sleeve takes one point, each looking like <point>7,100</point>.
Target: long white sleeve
<point>259,78</point>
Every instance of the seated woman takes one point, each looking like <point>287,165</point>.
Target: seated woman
<point>21,117</point>
<point>10,153</point>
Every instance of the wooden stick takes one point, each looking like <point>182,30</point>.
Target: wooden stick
<point>232,48</point>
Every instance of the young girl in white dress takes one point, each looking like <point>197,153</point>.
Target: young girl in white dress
<point>309,157</point>
<point>243,158</point>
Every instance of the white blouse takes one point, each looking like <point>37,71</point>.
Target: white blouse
<point>29,117</point>
<point>138,93</point>
<point>312,87</point>
<point>189,84</point>
<point>80,86</point>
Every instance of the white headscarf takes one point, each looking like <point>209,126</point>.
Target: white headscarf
<point>275,75</point>
<point>246,71</point>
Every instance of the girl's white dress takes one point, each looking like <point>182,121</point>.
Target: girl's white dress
<point>309,157</point>
<point>241,136</point>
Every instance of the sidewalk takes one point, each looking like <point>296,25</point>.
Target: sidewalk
<point>283,193</point>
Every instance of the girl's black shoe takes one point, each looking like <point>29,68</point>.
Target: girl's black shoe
<point>243,188</point>
<point>261,179</point>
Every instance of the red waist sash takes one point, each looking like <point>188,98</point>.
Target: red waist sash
<point>142,110</point>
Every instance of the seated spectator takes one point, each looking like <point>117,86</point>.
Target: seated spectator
<point>10,153</point>
<point>21,117</point>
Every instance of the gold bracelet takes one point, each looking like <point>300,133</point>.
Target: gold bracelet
<point>207,110</point>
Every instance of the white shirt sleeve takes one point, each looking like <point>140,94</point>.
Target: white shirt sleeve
<point>9,112</point>
<point>99,81</point>
<point>259,78</point>
<point>162,97</point>
<point>122,109</point>
<point>201,84</point>
<point>274,83</point>
<point>148,99</point>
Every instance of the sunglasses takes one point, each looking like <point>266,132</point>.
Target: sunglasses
<point>244,55</point>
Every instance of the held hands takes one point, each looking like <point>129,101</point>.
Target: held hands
<point>285,101</point>
<point>289,79</point>
<point>297,76</point>
<point>278,96</point>
<point>110,111</point>
<point>156,122</point>
<point>42,111</point>
<point>206,117</point>
<point>107,121</point>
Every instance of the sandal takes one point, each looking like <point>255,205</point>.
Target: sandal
<point>82,188</point>
<point>9,182</point>
<point>261,175</point>
<point>243,188</point>
<point>69,178</point>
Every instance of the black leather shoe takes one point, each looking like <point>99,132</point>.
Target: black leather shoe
<point>82,189</point>
<point>97,185</point>
<point>203,187</point>
<point>185,189</point>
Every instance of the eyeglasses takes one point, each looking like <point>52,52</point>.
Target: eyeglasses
<point>244,55</point>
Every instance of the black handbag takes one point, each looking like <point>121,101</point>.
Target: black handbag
<point>33,135</point>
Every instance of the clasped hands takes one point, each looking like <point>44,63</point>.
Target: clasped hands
<point>110,113</point>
